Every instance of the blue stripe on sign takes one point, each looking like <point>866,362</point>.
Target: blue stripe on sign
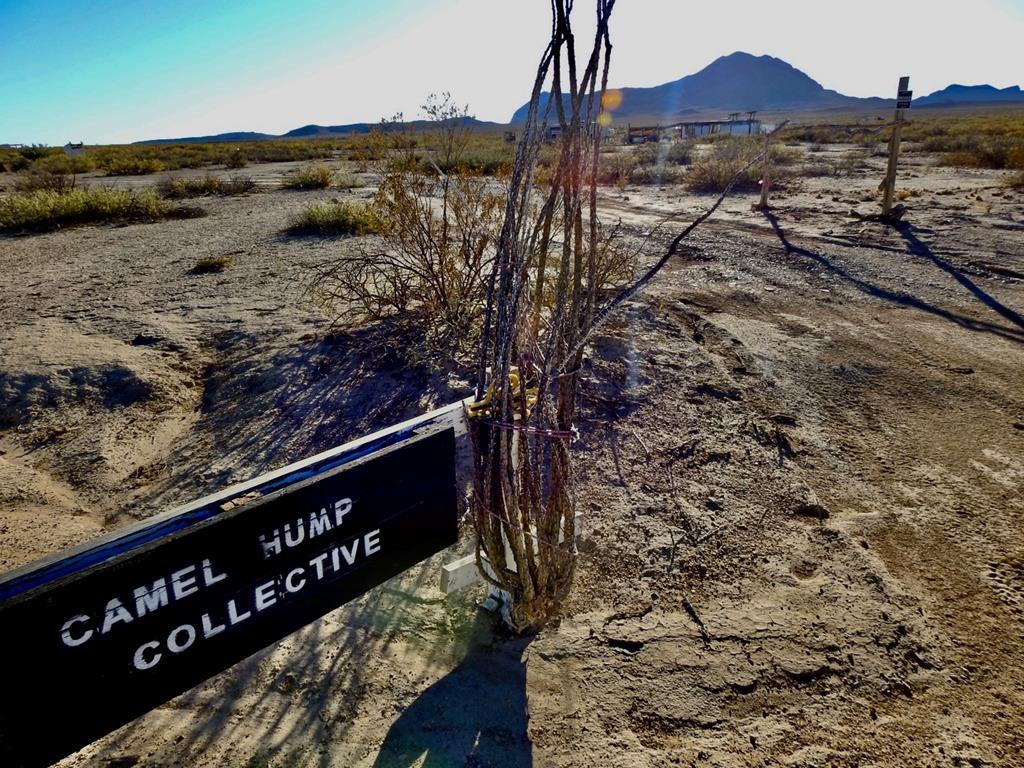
<point>101,553</point>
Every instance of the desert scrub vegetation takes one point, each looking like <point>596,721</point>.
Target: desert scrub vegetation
<point>1016,181</point>
<point>139,159</point>
<point>134,166</point>
<point>348,181</point>
<point>846,165</point>
<point>663,153</point>
<point>199,155</point>
<point>35,179</point>
<point>713,169</point>
<point>975,141</point>
<point>337,218</point>
<point>989,153</point>
<point>236,159</point>
<point>311,177</point>
<point>44,210</point>
<point>437,230</point>
<point>481,157</point>
<point>206,186</point>
<point>428,267</point>
<point>212,265</point>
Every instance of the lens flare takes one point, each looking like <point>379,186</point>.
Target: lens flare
<point>611,99</point>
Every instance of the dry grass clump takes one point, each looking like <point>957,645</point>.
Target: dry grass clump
<point>212,265</point>
<point>712,171</point>
<point>310,177</point>
<point>34,180</point>
<point>236,160</point>
<point>134,166</point>
<point>348,181</point>
<point>847,165</point>
<point>816,170</point>
<point>616,169</point>
<point>197,155</point>
<point>478,159</point>
<point>994,154</point>
<point>655,163</point>
<point>662,153</point>
<point>44,210</point>
<point>206,186</point>
<point>782,155</point>
<point>337,218</point>
<point>65,164</point>
<point>1016,181</point>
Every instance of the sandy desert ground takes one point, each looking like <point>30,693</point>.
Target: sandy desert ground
<point>802,462</point>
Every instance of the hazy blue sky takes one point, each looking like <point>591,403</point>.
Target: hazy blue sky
<point>106,71</point>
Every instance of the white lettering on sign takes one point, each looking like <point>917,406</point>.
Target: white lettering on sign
<point>71,640</point>
<point>262,597</point>
<point>233,616</point>
<point>144,660</point>
<point>146,599</point>
<point>265,596</point>
<point>114,613</point>
<point>182,584</point>
<point>209,629</point>
<point>149,599</point>
<point>315,524</point>
<point>181,639</point>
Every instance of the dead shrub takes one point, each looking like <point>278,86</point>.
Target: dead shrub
<point>437,233</point>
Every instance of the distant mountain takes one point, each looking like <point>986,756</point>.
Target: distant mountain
<point>964,94</point>
<point>737,82</point>
<point>236,136</point>
<point>312,131</point>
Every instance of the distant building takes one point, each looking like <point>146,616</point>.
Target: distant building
<point>734,125</point>
<point>73,150</point>
<point>710,127</point>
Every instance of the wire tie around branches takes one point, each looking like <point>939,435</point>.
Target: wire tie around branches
<point>564,434</point>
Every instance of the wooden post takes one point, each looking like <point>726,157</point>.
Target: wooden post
<point>889,185</point>
<point>766,175</point>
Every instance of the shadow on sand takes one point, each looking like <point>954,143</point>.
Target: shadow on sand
<point>311,700</point>
<point>474,716</point>
<point>915,246</point>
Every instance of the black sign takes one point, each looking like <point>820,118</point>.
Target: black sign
<point>903,99</point>
<point>89,651</point>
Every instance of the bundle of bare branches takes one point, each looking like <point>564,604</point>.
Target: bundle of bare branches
<point>540,308</point>
<point>541,311</point>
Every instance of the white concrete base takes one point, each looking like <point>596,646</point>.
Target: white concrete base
<point>463,572</point>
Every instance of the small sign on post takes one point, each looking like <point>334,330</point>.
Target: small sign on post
<point>903,99</point>
<point>98,636</point>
